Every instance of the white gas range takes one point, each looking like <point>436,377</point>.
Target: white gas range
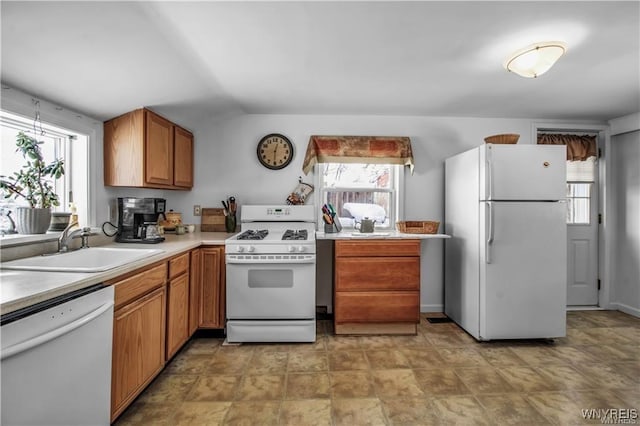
<point>271,275</point>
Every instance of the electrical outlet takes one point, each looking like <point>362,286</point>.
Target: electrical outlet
<point>197,211</point>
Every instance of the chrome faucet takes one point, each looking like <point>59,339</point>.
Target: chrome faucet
<point>65,237</point>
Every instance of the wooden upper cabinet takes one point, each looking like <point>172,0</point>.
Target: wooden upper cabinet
<point>158,143</point>
<point>145,150</point>
<point>183,158</point>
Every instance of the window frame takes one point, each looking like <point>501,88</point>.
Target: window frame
<point>396,191</point>
<point>62,148</point>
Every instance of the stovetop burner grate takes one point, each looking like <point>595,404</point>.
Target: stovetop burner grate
<point>253,234</point>
<point>290,234</point>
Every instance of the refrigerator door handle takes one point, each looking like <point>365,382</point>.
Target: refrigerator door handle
<point>490,233</point>
<point>489,175</point>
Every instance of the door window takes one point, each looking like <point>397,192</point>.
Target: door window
<point>579,203</point>
<point>580,181</point>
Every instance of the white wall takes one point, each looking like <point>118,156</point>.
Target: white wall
<point>226,164</point>
<point>625,158</point>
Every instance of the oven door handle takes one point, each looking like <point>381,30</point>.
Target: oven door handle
<point>269,259</point>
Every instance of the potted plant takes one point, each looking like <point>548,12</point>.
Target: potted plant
<point>33,183</point>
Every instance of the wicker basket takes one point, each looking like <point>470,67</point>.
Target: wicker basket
<point>507,138</point>
<point>418,227</point>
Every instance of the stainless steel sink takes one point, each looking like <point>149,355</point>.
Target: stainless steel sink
<point>94,259</point>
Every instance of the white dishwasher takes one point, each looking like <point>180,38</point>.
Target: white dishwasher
<point>55,366</point>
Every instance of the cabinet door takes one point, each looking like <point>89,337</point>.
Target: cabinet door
<point>177,313</point>
<point>158,150</point>
<point>138,348</point>
<point>195,289</point>
<point>183,158</point>
<point>213,292</point>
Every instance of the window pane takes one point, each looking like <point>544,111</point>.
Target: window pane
<point>355,205</point>
<point>13,161</point>
<point>579,211</point>
<point>579,190</point>
<point>357,175</point>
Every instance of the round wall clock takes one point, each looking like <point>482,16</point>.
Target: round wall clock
<point>275,151</point>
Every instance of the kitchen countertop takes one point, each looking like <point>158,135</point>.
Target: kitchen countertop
<point>351,235</point>
<point>19,289</point>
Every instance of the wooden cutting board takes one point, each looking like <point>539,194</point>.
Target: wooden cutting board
<point>212,220</point>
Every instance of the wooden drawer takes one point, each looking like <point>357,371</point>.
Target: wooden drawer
<point>377,248</point>
<point>139,284</point>
<point>378,307</point>
<point>178,265</point>
<point>377,273</point>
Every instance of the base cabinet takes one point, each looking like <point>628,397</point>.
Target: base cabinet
<point>212,314</point>
<point>377,287</point>
<point>178,304</point>
<point>157,310</point>
<point>195,289</point>
<point>139,348</point>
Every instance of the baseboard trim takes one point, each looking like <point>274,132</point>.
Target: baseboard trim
<point>584,308</point>
<point>431,308</point>
<point>626,309</point>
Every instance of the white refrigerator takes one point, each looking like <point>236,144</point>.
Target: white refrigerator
<point>506,260</point>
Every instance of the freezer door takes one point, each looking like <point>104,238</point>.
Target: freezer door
<point>523,172</point>
<point>523,282</point>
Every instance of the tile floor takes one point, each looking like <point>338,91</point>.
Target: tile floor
<point>442,376</point>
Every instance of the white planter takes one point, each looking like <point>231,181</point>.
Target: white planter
<point>32,220</point>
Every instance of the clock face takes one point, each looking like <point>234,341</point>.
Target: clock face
<point>275,151</point>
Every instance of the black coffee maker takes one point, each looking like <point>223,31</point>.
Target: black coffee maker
<point>138,219</point>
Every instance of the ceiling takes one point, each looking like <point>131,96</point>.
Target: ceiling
<point>191,60</point>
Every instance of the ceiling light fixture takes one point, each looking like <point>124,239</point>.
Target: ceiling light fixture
<point>536,59</point>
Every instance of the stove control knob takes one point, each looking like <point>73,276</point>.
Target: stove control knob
<point>301,248</point>
<point>291,249</point>
<point>251,249</point>
<point>240,249</point>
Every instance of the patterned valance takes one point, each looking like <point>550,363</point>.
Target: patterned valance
<point>579,147</point>
<point>358,149</point>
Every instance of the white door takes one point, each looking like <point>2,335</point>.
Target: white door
<point>523,172</point>
<point>582,244</point>
<point>523,284</point>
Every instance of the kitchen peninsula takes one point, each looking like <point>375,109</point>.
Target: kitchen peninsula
<point>376,281</point>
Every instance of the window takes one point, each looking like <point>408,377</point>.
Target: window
<point>580,180</point>
<point>579,203</point>
<point>58,143</point>
<point>362,190</point>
